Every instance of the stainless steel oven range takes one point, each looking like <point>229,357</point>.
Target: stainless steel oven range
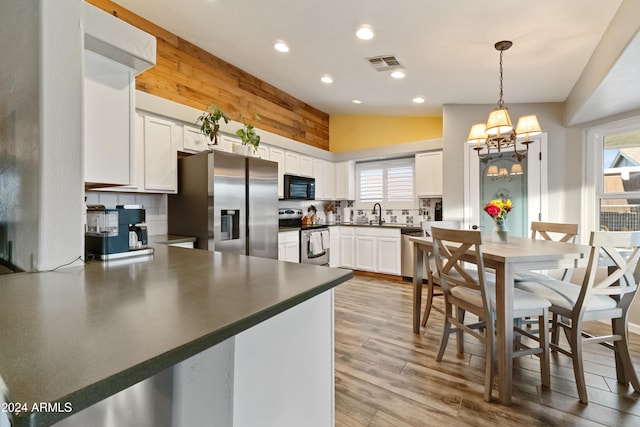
<point>314,239</point>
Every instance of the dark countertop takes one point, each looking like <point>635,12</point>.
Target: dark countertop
<point>82,334</point>
<point>404,228</point>
<point>168,239</point>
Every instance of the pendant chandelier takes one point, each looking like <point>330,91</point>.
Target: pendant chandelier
<point>497,133</point>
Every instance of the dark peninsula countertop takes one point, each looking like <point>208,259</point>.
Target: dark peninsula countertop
<point>78,335</point>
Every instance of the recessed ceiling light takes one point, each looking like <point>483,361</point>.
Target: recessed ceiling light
<point>418,100</point>
<point>281,46</point>
<point>398,74</point>
<point>365,33</point>
<point>356,101</point>
<point>326,79</point>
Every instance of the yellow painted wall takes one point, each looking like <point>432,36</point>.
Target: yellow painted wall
<point>358,132</point>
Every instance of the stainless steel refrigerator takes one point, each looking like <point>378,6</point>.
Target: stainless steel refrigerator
<point>228,202</point>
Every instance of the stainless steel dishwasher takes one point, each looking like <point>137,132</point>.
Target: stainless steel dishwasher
<point>406,255</point>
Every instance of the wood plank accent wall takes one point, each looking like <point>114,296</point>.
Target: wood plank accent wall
<point>189,75</point>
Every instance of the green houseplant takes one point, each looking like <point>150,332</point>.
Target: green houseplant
<point>209,122</point>
<point>249,136</point>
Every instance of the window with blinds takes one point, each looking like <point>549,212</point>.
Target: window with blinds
<point>388,182</point>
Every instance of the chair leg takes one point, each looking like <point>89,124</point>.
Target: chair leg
<point>489,369</point>
<point>554,329</point>
<point>622,350</point>
<point>446,330</point>
<point>543,336</point>
<point>460,332</point>
<point>575,341</point>
<point>428,304</point>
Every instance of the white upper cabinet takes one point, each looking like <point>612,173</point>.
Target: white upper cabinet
<point>318,175</point>
<point>108,120</point>
<point>429,174</point>
<point>193,139</point>
<point>291,163</point>
<point>161,139</point>
<point>277,155</point>
<point>115,52</point>
<point>329,180</point>
<point>306,166</point>
<point>263,152</point>
<point>345,180</point>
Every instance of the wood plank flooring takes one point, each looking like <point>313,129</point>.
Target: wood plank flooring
<point>388,376</point>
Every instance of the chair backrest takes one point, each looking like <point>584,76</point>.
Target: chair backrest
<point>619,251</point>
<point>562,232</point>
<point>449,246</point>
<point>426,226</point>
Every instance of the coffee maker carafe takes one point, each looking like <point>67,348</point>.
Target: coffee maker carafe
<point>116,233</point>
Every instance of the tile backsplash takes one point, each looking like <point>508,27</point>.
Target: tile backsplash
<point>155,206</point>
<point>425,212</point>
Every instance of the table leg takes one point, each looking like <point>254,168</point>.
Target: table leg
<point>504,329</point>
<point>418,268</point>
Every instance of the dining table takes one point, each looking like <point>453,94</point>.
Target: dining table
<point>518,254</point>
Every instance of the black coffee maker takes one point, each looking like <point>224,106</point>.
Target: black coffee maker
<point>116,233</point>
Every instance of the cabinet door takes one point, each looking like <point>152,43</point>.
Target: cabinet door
<point>345,180</point>
<point>108,120</point>
<point>388,254</point>
<point>226,143</point>
<point>346,251</point>
<point>193,140</point>
<point>160,156</point>
<point>292,252</point>
<point>334,247</point>
<point>318,174</point>
<point>306,166</point>
<point>365,253</point>
<point>329,190</point>
<point>289,246</point>
<point>263,152</point>
<point>429,174</point>
<point>277,155</point>
<point>291,163</point>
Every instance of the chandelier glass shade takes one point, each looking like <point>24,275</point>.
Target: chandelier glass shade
<point>497,133</point>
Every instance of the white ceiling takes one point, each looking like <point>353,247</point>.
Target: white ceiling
<point>446,47</point>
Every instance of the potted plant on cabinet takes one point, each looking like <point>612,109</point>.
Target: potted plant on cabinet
<point>249,136</point>
<point>209,122</point>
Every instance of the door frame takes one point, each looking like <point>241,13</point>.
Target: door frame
<point>537,184</point>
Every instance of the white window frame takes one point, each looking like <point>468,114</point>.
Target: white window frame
<point>593,189</point>
<point>385,164</point>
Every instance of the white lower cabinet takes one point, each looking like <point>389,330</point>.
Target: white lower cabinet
<point>334,246</point>
<point>289,246</point>
<point>347,247</point>
<point>375,249</point>
<point>388,254</point>
<point>365,252</point>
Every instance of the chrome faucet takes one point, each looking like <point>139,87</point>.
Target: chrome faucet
<point>380,221</point>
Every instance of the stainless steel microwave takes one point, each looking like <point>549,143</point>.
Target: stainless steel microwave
<point>299,188</point>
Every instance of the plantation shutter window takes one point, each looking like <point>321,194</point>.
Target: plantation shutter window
<point>388,182</point>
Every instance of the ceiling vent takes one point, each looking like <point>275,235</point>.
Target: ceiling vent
<point>384,62</point>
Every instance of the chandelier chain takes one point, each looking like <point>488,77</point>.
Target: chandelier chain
<point>500,101</point>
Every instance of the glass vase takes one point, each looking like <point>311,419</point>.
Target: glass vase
<point>500,232</point>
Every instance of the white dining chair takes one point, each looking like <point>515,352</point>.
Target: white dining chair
<point>599,297</point>
<point>559,232</point>
<point>432,276</point>
<point>469,291</point>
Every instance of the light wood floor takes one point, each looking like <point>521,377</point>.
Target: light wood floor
<point>388,376</point>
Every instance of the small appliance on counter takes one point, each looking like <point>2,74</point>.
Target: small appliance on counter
<point>116,233</point>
